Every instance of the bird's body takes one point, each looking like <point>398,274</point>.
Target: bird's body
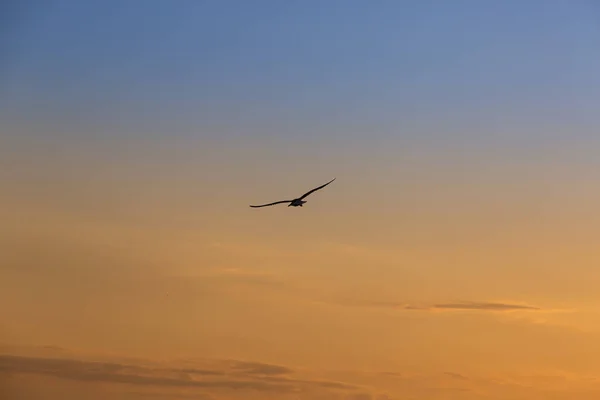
<point>297,202</point>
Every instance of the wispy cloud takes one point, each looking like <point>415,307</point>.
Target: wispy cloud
<point>458,306</point>
<point>205,379</point>
<point>150,395</point>
<point>456,375</point>
<point>484,306</point>
<point>260,368</point>
<point>239,375</point>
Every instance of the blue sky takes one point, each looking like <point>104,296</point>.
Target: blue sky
<point>234,68</point>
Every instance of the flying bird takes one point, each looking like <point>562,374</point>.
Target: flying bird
<point>298,202</point>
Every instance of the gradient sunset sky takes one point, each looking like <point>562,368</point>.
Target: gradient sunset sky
<point>455,257</point>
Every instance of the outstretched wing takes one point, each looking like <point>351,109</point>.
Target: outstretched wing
<point>272,204</point>
<point>315,189</point>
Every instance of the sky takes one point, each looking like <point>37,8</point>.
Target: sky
<point>454,257</point>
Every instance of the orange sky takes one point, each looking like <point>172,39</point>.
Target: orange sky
<point>471,291</point>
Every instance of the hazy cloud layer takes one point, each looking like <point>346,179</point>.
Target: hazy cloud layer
<point>202,379</point>
<point>239,375</point>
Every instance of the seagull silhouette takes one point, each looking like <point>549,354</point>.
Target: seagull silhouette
<point>298,201</point>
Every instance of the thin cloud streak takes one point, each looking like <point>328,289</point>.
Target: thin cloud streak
<point>459,306</point>
<point>484,306</point>
<point>261,369</point>
<point>239,376</point>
